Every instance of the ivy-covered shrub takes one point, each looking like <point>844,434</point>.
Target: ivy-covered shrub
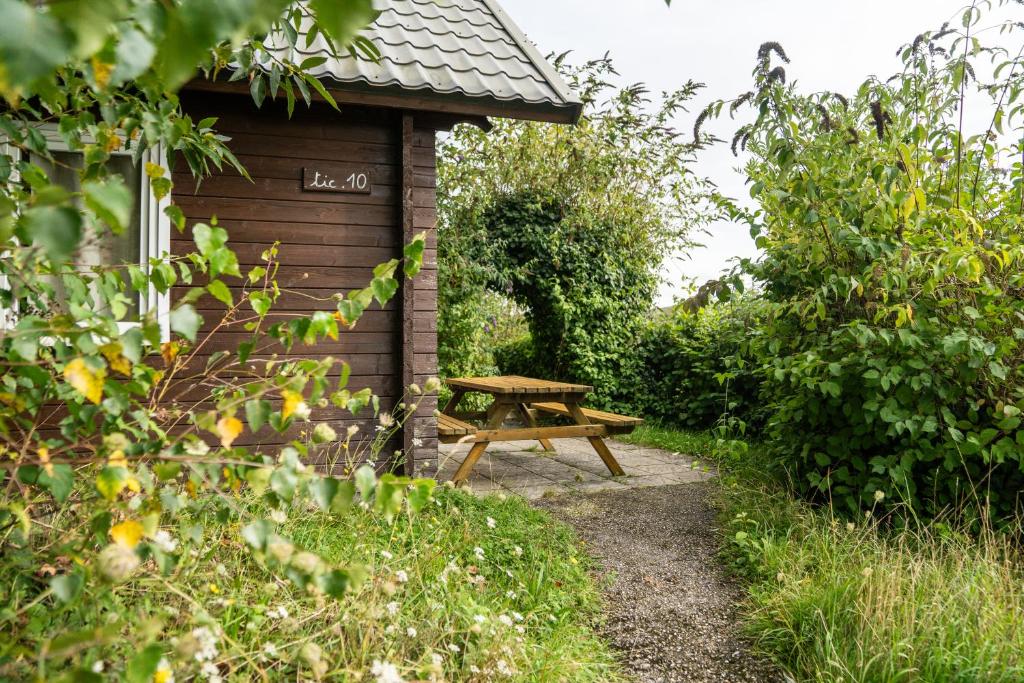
<point>696,366</point>
<point>571,223</point>
<point>893,276</point>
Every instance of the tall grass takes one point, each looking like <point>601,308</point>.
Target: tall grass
<point>833,600</point>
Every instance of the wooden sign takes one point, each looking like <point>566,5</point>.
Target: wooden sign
<point>335,178</point>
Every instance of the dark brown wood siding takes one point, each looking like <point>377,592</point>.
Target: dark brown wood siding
<point>329,242</point>
<point>424,308</point>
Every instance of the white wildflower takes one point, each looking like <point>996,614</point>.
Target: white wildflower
<point>517,551</point>
<point>491,523</point>
<point>386,420</point>
<point>206,639</point>
<point>386,555</point>
<point>390,629</point>
<point>850,526</point>
<point>479,552</point>
<point>517,616</point>
<point>351,431</point>
<point>454,648</point>
<point>431,385</point>
<point>278,515</point>
<point>163,672</point>
<point>270,650</point>
<point>511,595</point>
<point>879,496</point>
<point>866,572</point>
<point>97,666</point>
<point>474,669</point>
<point>505,619</point>
<point>520,629</point>
<point>479,618</point>
<point>211,673</point>
<point>392,608</point>
<point>417,442</point>
<point>410,632</point>
<point>164,542</point>
<point>401,576</point>
<point>436,659</point>
<point>503,668</point>
<point>386,672</point>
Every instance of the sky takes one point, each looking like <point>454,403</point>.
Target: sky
<point>833,44</point>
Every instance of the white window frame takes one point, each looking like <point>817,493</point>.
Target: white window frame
<point>154,242</point>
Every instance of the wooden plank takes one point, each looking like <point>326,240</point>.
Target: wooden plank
<point>514,384</point>
<point>600,416</point>
<point>529,420</point>
<point>538,433</point>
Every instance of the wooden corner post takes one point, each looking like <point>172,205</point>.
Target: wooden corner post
<point>408,288</point>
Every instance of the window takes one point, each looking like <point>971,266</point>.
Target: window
<point>146,236</point>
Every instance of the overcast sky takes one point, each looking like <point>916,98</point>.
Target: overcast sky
<point>833,44</point>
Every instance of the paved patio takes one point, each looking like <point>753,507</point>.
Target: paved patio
<point>524,468</point>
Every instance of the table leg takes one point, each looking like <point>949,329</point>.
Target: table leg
<point>497,416</point>
<point>597,442</point>
<point>527,416</point>
<point>453,402</point>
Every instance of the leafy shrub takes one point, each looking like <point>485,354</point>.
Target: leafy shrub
<point>696,366</point>
<point>570,222</point>
<point>892,273</point>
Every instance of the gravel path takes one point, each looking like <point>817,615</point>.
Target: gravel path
<point>671,610</point>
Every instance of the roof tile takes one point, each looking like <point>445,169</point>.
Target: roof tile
<point>463,48</point>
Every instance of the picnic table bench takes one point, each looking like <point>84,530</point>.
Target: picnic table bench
<point>527,397</point>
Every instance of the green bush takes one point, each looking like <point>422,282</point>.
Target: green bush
<point>571,223</point>
<point>696,367</point>
<point>892,275</point>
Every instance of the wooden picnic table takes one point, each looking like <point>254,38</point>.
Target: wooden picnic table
<point>526,395</point>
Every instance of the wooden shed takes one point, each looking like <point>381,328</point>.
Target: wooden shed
<point>344,191</point>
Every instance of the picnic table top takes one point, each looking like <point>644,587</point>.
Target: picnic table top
<point>514,384</point>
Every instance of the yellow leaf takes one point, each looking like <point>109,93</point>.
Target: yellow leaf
<point>117,459</point>
<point>85,380</point>
<point>127,533</point>
<point>169,350</point>
<point>44,457</point>
<point>101,71</point>
<point>292,400</point>
<point>228,428</point>
<point>118,363</point>
<point>154,170</point>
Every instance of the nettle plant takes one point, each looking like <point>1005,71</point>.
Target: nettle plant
<point>892,269</point>
<point>116,417</point>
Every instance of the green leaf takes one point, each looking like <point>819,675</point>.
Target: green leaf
<point>257,533</point>
<point>366,481</point>
<point>220,291</point>
<point>323,491</point>
<point>143,665</point>
<point>110,481</point>
<point>60,483</point>
<point>319,87</point>
<point>257,412</point>
<point>343,19</point>
<point>110,200</point>
<point>383,289</point>
<point>56,229</point>
<point>66,586</point>
<point>258,89</point>
<point>283,482</point>
<point>337,582</point>
<point>260,303</point>
<point>32,45</point>
<point>185,321</point>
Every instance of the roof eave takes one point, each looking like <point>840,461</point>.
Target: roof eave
<point>424,99</point>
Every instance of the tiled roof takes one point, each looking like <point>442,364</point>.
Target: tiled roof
<point>466,51</point>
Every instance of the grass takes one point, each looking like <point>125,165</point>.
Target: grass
<point>831,599</point>
<point>698,444</point>
<point>468,590</point>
